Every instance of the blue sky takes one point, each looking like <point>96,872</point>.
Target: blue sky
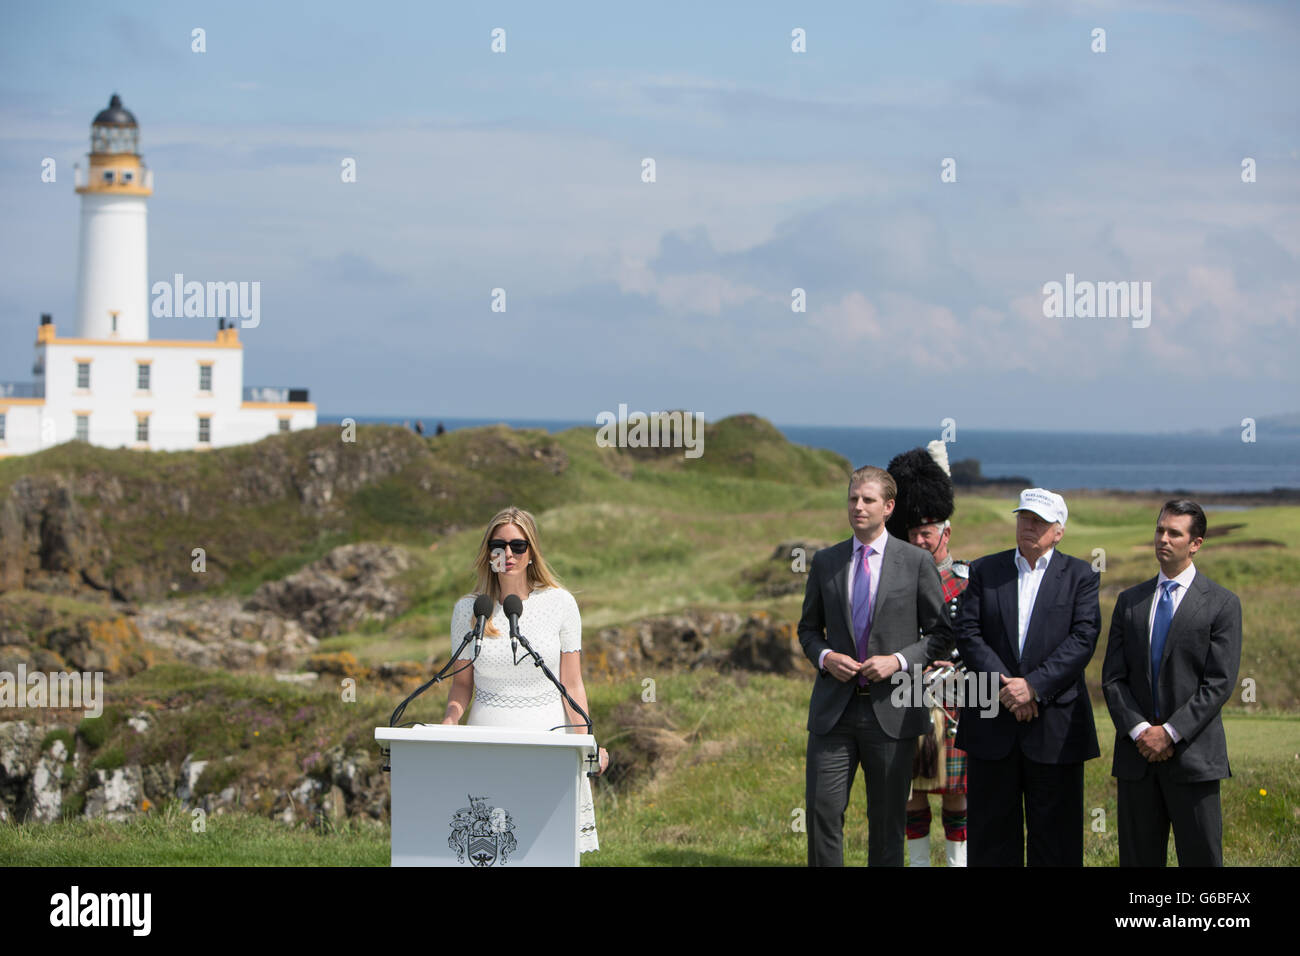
<point>775,170</point>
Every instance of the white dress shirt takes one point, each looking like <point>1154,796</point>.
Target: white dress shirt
<point>873,565</point>
<point>1028,580</point>
<point>1184,580</point>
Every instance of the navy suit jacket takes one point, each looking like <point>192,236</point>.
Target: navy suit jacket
<point>1061,639</point>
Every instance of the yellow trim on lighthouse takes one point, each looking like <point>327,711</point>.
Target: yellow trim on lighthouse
<point>136,184</point>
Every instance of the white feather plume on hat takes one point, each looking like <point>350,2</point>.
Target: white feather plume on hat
<point>939,452</point>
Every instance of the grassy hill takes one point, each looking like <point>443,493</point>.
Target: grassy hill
<point>716,763</point>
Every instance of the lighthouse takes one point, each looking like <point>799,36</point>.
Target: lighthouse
<point>112,261</point>
<point>109,384</point>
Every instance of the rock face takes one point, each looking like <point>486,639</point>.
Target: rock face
<point>107,527</point>
<point>337,593</point>
<point>786,572</point>
<point>694,640</point>
<point>46,798</point>
<point>676,640</point>
<point>219,632</point>
<point>49,541</point>
<point>769,647</point>
<point>115,794</point>
<point>36,632</point>
<point>20,743</point>
<point>40,780</point>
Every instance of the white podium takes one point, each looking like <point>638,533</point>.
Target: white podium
<point>484,796</point>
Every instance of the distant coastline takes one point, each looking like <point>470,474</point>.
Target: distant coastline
<point>1216,467</point>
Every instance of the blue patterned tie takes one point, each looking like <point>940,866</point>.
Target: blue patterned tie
<point>862,608</point>
<point>1160,631</point>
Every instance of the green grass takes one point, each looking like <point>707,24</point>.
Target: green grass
<point>167,837</point>
<point>726,792</point>
<point>716,762</point>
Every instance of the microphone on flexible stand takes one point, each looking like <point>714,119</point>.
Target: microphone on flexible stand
<point>483,605</point>
<point>513,608</point>
<point>482,611</point>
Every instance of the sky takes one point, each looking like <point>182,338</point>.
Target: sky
<point>774,170</point>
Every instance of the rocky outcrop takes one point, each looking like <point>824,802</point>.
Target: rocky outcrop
<point>347,587</point>
<point>40,786</point>
<point>713,639</point>
<point>786,571</point>
<point>219,632</point>
<point>110,528</point>
<point>50,541</point>
<point>675,640</point>
<point>50,635</point>
<point>768,647</point>
<point>116,794</point>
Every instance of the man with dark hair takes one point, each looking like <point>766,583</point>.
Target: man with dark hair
<point>1171,664</point>
<point>1031,616</point>
<point>873,605</point>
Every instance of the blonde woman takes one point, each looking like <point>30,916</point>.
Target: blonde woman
<point>510,562</point>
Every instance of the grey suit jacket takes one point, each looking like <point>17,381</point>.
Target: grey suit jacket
<point>909,618</point>
<point>1198,673</point>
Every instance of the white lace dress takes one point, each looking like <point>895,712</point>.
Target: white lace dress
<point>510,695</point>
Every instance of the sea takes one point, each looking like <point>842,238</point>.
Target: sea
<point>1058,460</point>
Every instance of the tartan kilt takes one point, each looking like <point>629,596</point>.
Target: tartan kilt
<point>954,761</point>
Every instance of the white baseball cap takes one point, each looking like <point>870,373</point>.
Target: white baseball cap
<point>1048,505</point>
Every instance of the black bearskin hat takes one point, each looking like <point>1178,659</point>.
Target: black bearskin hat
<point>925,494</point>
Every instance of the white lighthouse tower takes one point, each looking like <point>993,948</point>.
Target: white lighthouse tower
<point>109,384</point>
<point>112,266</point>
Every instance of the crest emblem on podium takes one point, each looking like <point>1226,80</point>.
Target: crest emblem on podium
<point>481,833</point>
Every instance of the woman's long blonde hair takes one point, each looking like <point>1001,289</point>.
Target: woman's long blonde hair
<point>539,573</point>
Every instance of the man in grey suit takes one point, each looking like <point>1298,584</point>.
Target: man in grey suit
<point>1171,664</point>
<point>873,605</point>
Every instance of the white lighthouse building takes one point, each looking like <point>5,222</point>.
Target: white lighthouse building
<point>110,384</point>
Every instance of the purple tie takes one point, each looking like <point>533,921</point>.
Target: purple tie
<point>862,608</point>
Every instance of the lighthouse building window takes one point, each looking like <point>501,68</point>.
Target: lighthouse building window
<point>205,378</point>
<point>205,430</point>
<point>83,375</point>
<point>108,175</point>
<point>83,428</point>
<point>127,175</point>
<point>142,378</point>
<point>2,426</point>
<point>142,429</point>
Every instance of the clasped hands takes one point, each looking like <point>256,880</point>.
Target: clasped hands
<point>844,668</point>
<point>1018,697</point>
<point>1155,744</point>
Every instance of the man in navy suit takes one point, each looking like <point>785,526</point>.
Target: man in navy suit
<point>1171,665</point>
<point>1031,616</point>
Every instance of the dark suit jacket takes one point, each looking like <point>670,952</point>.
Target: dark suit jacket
<point>909,618</point>
<point>1060,641</point>
<point>1198,672</point>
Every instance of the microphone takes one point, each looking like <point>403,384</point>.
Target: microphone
<point>482,611</point>
<point>513,608</point>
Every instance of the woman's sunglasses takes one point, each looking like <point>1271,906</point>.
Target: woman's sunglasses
<point>518,545</point>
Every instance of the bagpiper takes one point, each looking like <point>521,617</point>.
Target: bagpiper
<point>922,512</point>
